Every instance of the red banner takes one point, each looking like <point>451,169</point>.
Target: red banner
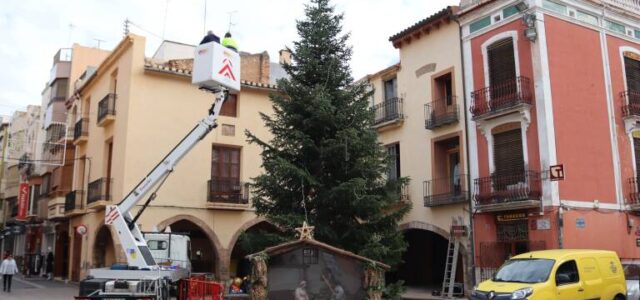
<point>23,201</point>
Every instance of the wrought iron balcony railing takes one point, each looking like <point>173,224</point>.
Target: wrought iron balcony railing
<point>507,188</point>
<point>73,200</point>
<point>389,110</point>
<point>99,190</point>
<point>441,112</point>
<point>81,129</point>
<point>501,96</point>
<point>444,191</point>
<point>631,100</point>
<point>107,107</point>
<point>228,190</point>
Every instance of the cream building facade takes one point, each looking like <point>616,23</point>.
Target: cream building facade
<point>128,114</point>
<point>419,115</point>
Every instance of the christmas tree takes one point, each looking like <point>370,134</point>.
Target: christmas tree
<point>324,163</point>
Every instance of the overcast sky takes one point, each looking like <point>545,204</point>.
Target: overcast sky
<point>33,30</point>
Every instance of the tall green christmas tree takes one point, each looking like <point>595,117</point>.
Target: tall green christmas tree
<point>323,163</point>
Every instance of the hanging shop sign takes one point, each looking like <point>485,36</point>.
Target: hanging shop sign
<point>81,230</point>
<point>581,223</point>
<point>556,172</point>
<point>543,224</point>
<point>23,201</point>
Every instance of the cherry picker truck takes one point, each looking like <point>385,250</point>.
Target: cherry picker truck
<point>216,69</point>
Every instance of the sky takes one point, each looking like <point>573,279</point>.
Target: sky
<point>32,31</point>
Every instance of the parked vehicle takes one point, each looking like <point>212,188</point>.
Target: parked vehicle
<point>557,274</point>
<point>632,276</point>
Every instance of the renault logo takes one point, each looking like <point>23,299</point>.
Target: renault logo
<point>491,295</point>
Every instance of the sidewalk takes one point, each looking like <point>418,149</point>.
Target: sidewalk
<point>39,288</point>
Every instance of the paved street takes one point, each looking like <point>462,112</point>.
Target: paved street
<point>23,289</point>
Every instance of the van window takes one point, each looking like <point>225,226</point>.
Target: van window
<point>632,272</point>
<point>567,273</point>
<point>157,245</point>
<point>525,270</point>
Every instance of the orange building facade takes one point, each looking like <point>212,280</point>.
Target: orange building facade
<point>552,82</point>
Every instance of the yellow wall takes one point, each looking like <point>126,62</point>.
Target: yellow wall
<point>154,111</point>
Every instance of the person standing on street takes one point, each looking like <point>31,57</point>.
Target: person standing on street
<point>49,267</point>
<point>8,268</point>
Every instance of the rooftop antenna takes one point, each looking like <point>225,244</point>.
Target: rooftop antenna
<point>230,16</point>
<point>71,26</point>
<point>204,21</point>
<point>164,26</point>
<point>126,26</point>
<point>99,41</point>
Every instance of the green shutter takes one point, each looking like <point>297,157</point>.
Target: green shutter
<point>509,11</point>
<point>559,8</point>
<point>482,23</point>
<point>613,26</point>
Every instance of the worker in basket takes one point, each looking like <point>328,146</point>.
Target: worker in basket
<point>210,37</point>
<point>229,42</point>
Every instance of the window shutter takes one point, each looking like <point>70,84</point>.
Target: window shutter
<point>636,150</point>
<point>632,71</point>
<point>230,106</point>
<point>507,154</point>
<point>502,67</point>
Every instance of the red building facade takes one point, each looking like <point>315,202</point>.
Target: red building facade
<point>552,82</point>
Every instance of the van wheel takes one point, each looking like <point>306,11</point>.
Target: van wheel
<point>619,297</point>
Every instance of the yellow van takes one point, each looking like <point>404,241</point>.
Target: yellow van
<point>557,274</point>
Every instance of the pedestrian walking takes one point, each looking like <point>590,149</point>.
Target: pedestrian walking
<point>49,267</point>
<point>8,268</point>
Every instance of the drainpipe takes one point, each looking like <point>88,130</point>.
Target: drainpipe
<point>468,160</point>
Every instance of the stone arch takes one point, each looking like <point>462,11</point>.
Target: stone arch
<point>105,248</point>
<point>244,227</point>
<point>465,252</point>
<point>221,268</point>
<point>235,263</point>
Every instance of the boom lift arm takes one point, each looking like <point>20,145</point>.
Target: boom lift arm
<point>134,244</point>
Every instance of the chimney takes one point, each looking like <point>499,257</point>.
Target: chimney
<point>285,57</point>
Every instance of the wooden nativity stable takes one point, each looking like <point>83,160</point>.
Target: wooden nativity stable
<point>309,269</point>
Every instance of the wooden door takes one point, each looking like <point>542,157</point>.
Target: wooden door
<point>77,253</point>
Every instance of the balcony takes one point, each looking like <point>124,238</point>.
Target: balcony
<point>226,193</point>
<point>99,193</point>
<point>628,5</point>
<point>441,112</point>
<point>107,109</point>
<point>508,192</point>
<point>501,98</point>
<point>81,131</point>
<point>446,191</point>
<point>630,108</point>
<point>55,208</point>
<point>73,204</point>
<point>388,112</point>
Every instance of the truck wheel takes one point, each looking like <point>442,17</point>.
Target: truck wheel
<point>619,297</point>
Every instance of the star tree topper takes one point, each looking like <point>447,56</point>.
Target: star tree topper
<point>306,231</point>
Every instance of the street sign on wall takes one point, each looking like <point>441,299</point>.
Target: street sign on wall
<point>556,172</point>
<point>23,201</point>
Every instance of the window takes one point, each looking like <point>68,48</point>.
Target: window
<point>502,67</point>
<point>559,8</point>
<point>508,157</point>
<point>632,71</point>
<point>230,106</point>
<point>157,245</point>
<point>510,11</point>
<point>585,17</point>
<point>636,152</point>
<point>394,161</point>
<point>444,89</point>
<point>567,273</point>
<point>613,26</point>
<point>482,23</point>
<point>309,256</point>
<point>225,163</point>
<point>390,87</point>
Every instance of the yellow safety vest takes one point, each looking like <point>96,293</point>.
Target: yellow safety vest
<point>230,42</point>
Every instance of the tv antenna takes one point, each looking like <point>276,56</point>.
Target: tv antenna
<point>99,41</point>
<point>71,26</point>
<point>230,13</point>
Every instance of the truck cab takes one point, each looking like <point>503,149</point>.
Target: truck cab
<point>170,249</point>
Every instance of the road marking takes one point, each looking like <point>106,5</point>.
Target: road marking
<point>29,283</point>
